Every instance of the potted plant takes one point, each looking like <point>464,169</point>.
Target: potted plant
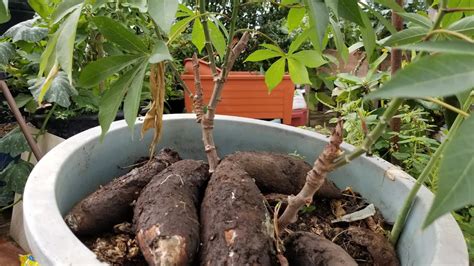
<point>376,180</point>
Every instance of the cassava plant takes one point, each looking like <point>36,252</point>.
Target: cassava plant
<point>442,65</point>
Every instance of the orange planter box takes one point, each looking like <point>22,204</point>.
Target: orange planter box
<point>245,94</point>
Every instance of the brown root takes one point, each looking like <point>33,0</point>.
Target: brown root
<point>379,247</point>
<point>280,173</point>
<point>166,214</point>
<point>236,228</point>
<point>111,203</point>
<point>304,248</point>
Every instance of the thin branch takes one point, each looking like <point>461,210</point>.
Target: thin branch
<point>207,35</point>
<point>448,32</point>
<point>198,104</point>
<point>207,123</point>
<point>447,106</point>
<point>459,9</point>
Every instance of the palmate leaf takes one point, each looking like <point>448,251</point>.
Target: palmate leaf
<point>103,68</point>
<point>298,72</point>
<point>295,15</point>
<point>435,75</point>
<point>417,19</point>
<point>13,143</point>
<point>25,31</point>
<point>42,7</point>
<point>163,13</point>
<point>197,36</point>
<point>318,20</point>
<point>65,43</point>
<point>160,53</point>
<point>347,9</point>
<point>407,36</point>
<point>309,58</point>
<point>261,55</point>
<point>464,26</point>
<point>443,46</point>
<point>112,98</point>
<point>15,175</point>
<point>119,34</point>
<point>64,8</point>
<point>274,74</point>
<point>456,174</point>
<point>217,38</point>
<point>132,100</point>
<point>368,36</point>
<point>59,92</point>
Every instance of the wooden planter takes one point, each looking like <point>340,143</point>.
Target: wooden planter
<point>245,94</point>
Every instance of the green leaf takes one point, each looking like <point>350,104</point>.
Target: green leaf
<point>464,26</point>
<point>48,57</point>
<point>112,99</point>
<point>64,8</point>
<point>101,69</point>
<point>14,143</point>
<point>325,99</point>
<point>7,52</point>
<point>42,7</point>
<point>25,31</point>
<point>309,58</point>
<point>59,92</point>
<point>197,36</point>
<point>15,175</point>
<point>274,74</point>
<point>456,174</point>
<point>295,15</point>
<point>347,9</point>
<point>65,44</point>
<point>273,48</point>
<point>452,17</point>
<point>436,75</point>
<point>368,36</point>
<point>298,41</point>
<point>261,55</point>
<point>4,12</point>
<point>160,53</point>
<point>117,33</point>
<point>387,24</point>
<point>339,41</point>
<point>132,100</point>
<point>179,27</point>
<point>410,35</point>
<point>163,13</point>
<point>443,46</point>
<point>417,19</point>
<point>22,99</point>
<point>217,38</point>
<point>318,20</point>
<point>298,72</point>
<point>392,4</point>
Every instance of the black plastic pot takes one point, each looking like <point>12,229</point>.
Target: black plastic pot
<point>176,106</point>
<point>71,126</point>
